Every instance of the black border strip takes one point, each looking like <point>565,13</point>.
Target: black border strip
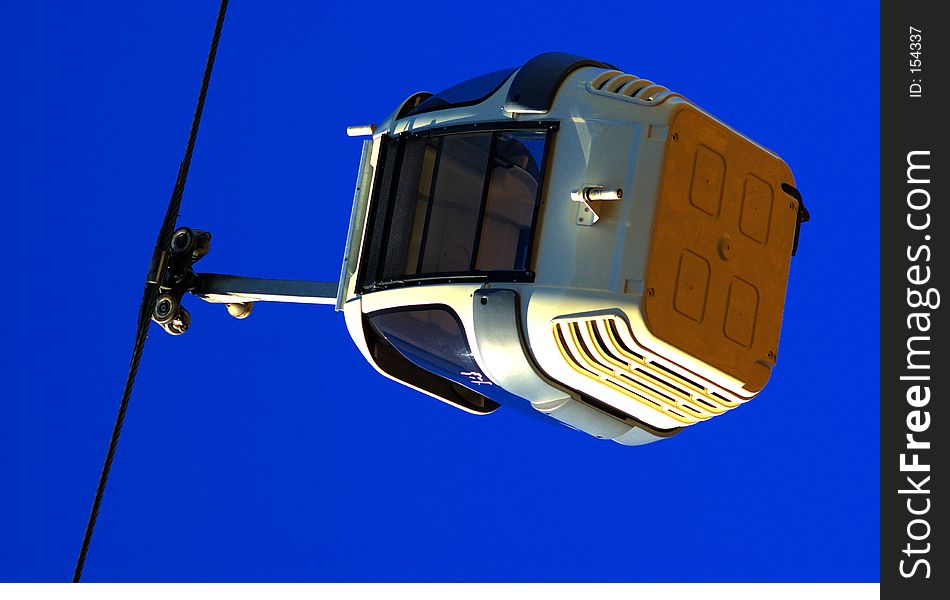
<point>914,232</point>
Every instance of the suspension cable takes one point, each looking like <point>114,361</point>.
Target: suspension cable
<point>151,292</point>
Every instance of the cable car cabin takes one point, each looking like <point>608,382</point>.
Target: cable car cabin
<point>572,241</point>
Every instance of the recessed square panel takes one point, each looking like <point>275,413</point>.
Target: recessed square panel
<point>741,311</point>
<point>756,209</point>
<point>706,189</point>
<point>692,286</point>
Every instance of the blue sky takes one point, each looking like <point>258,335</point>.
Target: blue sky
<point>267,449</point>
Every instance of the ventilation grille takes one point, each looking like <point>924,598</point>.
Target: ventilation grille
<point>602,349</point>
<point>641,91</point>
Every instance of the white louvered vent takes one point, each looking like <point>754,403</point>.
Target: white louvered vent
<point>641,91</point>
<point>602,349</point>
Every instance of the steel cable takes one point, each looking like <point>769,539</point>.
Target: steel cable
<point>151,292</point>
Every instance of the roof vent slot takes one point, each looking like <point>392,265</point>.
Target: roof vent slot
<point>626,86</point>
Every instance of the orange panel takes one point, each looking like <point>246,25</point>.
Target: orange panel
<point>742,307</point>
<point>692,285</point>
<point>722,243</point>
<point>757,201</point>
<point>705,190</point>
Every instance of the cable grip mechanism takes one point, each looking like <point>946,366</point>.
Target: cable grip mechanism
<point>175,276</point>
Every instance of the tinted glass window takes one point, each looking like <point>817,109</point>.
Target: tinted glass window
<point>468,92</point>
<point>510,205</point>
<point>453,218</point>
<point>421,204</point>
<point>433,338</point>
<point>453,205</point>
<point>414,173</point>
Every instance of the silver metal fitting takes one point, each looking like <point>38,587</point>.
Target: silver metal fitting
<point>587,212</point>
<point>361,130</point>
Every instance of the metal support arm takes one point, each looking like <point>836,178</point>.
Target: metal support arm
<point>175,276</point>
<point>234,289</point>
